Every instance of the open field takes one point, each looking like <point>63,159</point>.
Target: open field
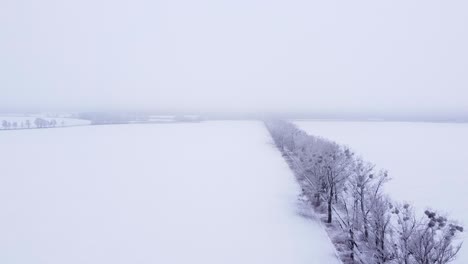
<point>213,192</point>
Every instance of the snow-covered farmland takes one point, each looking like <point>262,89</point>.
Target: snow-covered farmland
<point>428,162</point>
<point>213,192</point>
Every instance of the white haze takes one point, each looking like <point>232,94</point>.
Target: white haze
<point>393,56</point>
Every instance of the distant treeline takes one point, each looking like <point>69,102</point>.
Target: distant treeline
<point>365,225</point>
<point>26,124</point>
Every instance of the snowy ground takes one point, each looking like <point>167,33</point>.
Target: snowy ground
<point>428,162</point>
<point>213,192</point>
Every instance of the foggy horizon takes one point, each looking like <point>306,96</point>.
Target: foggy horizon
<point>239,114</point>
<point>394,57</point>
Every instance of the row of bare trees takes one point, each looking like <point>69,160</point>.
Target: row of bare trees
<point>349,192</point>
<point>38,123</point>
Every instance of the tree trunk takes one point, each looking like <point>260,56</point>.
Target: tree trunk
<point>330,201</point>
<point>364,216</point>
<point>351,244</point>
<point>318,202</point>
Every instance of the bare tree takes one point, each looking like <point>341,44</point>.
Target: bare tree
<point>379,224</point>
<point>41,123</point>
<point>432,240</point>
<point>336,163</point>
<point>406,224</point>
<point>350,204</point>
<point>360,185</point>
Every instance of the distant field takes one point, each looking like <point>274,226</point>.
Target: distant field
<point>428,162</point>
<point>211,193</point>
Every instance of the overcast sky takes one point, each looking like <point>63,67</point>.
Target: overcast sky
<point>259,55</point>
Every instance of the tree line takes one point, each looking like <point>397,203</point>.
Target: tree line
<point>365,225</point>
<point>27,124</point>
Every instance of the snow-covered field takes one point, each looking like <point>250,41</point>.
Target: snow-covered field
<point>428,162</point>
<point>212,192</point>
